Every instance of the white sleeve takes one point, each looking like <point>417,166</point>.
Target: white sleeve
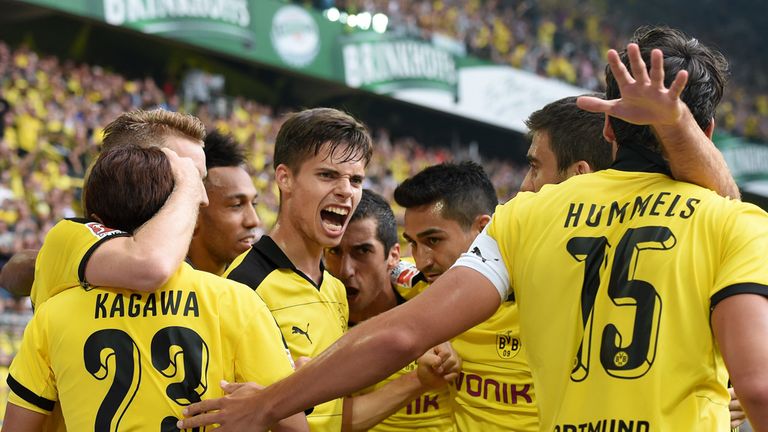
<point>484,256</point>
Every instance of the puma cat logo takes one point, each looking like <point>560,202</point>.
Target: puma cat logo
<point>477,252</point>
<point>296,330</point>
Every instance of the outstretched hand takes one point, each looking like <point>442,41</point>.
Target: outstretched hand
<point>645,100</point>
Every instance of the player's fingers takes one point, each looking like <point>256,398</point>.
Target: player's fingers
<point>429,359</point>
<point>595,104</point>
<point>636,62</point>
<point>678,85</point>
<point>200,420</point>
<point>202,407</point>
<point>620,72</point>
<point>301,361</point>
<point>736,423</point>
<point>657,68</point>
<point>168,152</point>
<point>451,376</point>
<point>229,387</point>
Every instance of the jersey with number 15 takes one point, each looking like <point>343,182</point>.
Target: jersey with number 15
<point>615,275</point>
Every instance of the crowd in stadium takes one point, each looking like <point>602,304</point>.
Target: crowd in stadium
<point>53,113</point>
<point>563,41</point>
<point>52,130</point>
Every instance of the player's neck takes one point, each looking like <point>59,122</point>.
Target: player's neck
<point>385,301</point>
<point>205,262</point>
<point>304,253</point>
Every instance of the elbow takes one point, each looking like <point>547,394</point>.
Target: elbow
<point>151,275</point>
<point>405,343</point>
<point>753,395</point>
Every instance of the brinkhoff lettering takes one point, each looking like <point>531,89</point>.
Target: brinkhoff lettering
<point>110,305</point>
<point>661,204</point>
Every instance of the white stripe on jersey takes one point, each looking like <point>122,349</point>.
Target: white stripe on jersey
<point>484,256</point>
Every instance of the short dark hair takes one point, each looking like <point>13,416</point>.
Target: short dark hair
<point>222,150</point>
<point>463,188</point>
<point>128,184</point>
<point>305,133</point>
<point>574,134</point>
<point>374,206</point>
<point>151,128</point>
<point>707,75</point>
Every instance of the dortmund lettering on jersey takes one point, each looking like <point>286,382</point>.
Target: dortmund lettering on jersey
<point>640,261</point>
<point>111,358</point>
<point>55,270</point>
<point>310,317</point>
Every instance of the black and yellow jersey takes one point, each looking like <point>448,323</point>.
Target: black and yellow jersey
<point>494,390</point>
<point>121,360</point>
<point>615,275</point>
<point>431,411</point>
<point>311,317</point>
<point>61,262</point>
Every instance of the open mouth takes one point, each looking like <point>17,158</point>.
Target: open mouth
<point>352,293</point>
<point>334,217</point>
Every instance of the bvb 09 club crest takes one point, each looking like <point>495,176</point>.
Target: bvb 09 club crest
<point>507,346</point>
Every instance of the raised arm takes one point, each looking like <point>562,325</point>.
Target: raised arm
<point>645,100</point>
<point>18,274</point>
<point>145,261</point>
<point>371,351</point>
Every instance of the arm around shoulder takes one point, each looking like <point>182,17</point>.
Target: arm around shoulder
<point>18,274</point>
<point>18,419</point>
<point>145,261</point>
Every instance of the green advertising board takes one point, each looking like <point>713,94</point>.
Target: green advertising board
<point>265,31</point>
<point>303,41</point>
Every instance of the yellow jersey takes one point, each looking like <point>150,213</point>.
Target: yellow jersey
<point>615,275</point>
<point>311,317</point>
<point>61,262</point>
<point>120,360</point>
<point>494,390</point>
<point>431,411</point>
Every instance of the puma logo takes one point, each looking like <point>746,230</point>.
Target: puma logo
<point>476,251</point>
<point>296,330</point>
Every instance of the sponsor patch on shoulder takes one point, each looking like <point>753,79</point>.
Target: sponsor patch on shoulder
<point>100,231</point>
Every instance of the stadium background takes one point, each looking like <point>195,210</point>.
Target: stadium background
<point>434,79</point>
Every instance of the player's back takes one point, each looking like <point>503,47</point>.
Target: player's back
<point>137,359</point>
<point>614,273</point>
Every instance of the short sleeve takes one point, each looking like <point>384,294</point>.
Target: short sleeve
<point>744,257</point>
<point>30,377</point>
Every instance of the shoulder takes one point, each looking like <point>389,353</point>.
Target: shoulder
<point>250,268</point>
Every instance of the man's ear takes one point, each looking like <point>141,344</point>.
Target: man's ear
<point>710,129</point>
<point>284,178</point>
<point>480,222</point>
<point>608,131</point>
<point>393,258</point>
<point>578,168</point>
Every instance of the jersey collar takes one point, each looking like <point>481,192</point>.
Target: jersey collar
<point>272,252</point>
<point>632,157</point>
